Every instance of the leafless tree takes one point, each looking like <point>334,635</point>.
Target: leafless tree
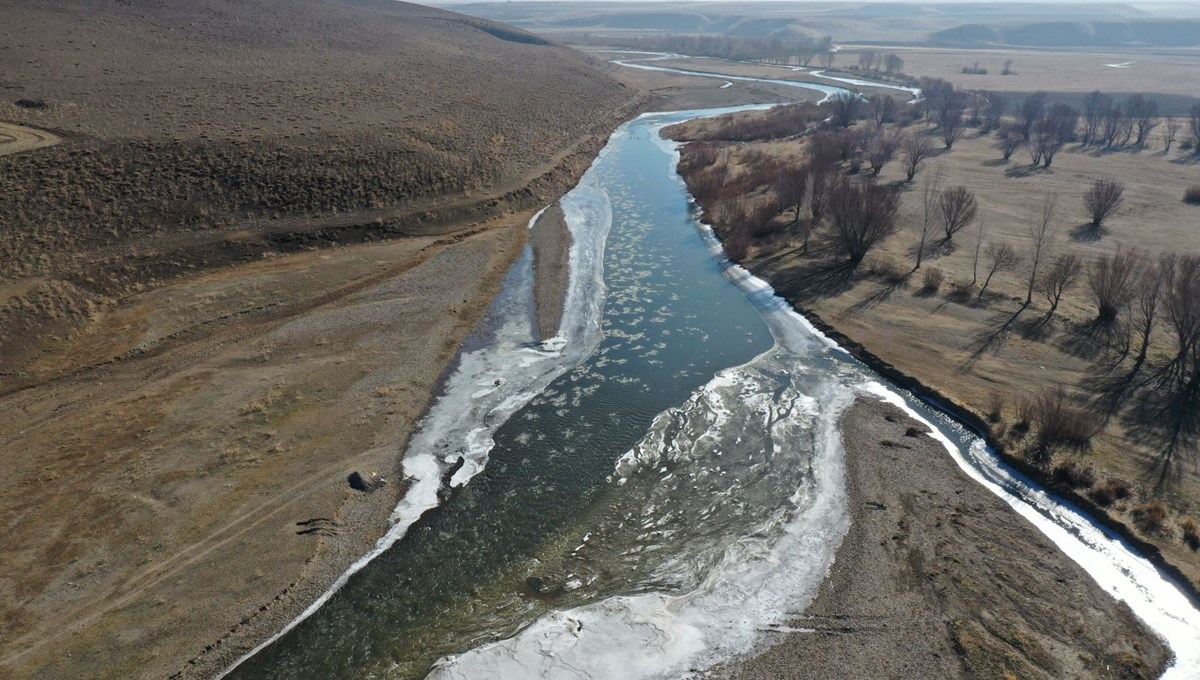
<point>1170,130</point>
<point>931,215</point>
<point>845,107</point>
<point>993,113</point>
<point>979,234</point>
<point>958,209</point>
<point>1031,112</point>
<point>1144,113</point>
<point>1117,126</point>
<point>1059,278</point>
<point>1051,132</point>
<point>1111,280</point>
<point>860,217</point>
<point>882,108</point>
<point>826,58</point>
<point>917,148</point>
<point>951,124</point>
<point>1103,199</point>
<point>1042,233</point>
<point>1001,257</point>
<point>881,147</point>
<point>1009,139</point>
<point>1096,106</point>
<point>1146,302</point>
<point>893,63</point>
<point>791,186</point>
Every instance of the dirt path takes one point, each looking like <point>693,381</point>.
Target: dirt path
<point>18,138</point>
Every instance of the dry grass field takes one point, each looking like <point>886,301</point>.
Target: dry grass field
<point>981,353</point>
<point>261,236</point>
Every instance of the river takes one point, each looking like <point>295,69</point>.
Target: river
<point>664,477</point>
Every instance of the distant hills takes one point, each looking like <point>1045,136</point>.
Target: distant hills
<point>1134,33</point>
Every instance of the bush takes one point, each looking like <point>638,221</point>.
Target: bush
<point>1191,533</point>
<point>39,104</point>
<point>1060,425</point>
<point>1110,492</point>
<point>1072,475</point>
<point>932,280</point>
<point>995,411</point>
<point>961,290</point>
<point>886,269</point>
<point>1150,516</point>
<point>1192,195</point>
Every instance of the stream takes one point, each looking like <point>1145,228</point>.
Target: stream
<point>663,477</point>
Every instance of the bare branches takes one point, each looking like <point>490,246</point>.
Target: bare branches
<point>881,147</point>
<point>1000,257</point>
<point>1059,278</point>
<point>860,216</point>
<point>845,107</point>
<point>917,148</point>
<point>1103,199</point>
<point>958,209</point>
<point>1042,233</point>
<point>1009,139</point>
<point>882,108</point>
<point>1111,280</point>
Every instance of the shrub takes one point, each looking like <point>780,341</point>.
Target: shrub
<point>1111,491</point>
<point>1191,533</point>
<point>1060,425</point>
<point>1150,516</point>
<point>932,280</point>
<point>39,104</point>
<point>995,411</point>
<point>961,290</point>
<point>886,269</point>
<point>1191,195</point>
<point>1072,475</point>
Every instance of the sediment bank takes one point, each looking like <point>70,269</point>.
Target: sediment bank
<point>938,577</point>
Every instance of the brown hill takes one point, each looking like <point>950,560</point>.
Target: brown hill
<point>197,118</point>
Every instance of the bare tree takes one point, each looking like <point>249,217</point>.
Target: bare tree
<point>979,234</point>
<point>1170,129</point>
<point>1117,126</point>
<point>958,209</point>
<point>860,216</point>
<point>882,108</point>
<point>1031,112</point>
<point>997,106</point>
<point>1059,278</point>
<point>931,215</point>
<point>951,124</point>
<point>1111,280</point>
<point>1042,233</point>
<point>1001,257</point>
<point>1103,199</point>
<point>825,60</point>
<point>1146,304</point>
<point>791,186</point>
<point>1144,113</point>
<point>893,63</point>
<point>917,148</point>
<point>1051,132</point>
<point>1096,106</point>
<point>881,147</point>
<point>1009,139</point>
<point>846,107</point>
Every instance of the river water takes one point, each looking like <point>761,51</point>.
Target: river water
<point>642,495</point>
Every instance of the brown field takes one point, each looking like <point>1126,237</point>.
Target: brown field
<point>263,233</point>
<point>976,353</point>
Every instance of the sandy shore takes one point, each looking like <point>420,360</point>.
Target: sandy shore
<point>551,241</point>
<point>939,578</point>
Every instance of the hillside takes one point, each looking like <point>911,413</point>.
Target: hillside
<point>240,241</point>
<point>193,119</point>
<point>1106,34</point>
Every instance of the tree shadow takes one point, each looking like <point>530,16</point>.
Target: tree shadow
<point>1027,171</point>
<point>1168,422</point>
<point>1088,233</point>
<point>808,280</point>
<point>992,337</point>
<point>879,296</point>
<point>1038,330</point>
<point>1093,340</point>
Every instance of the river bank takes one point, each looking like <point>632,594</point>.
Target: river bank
<point>938,577</point>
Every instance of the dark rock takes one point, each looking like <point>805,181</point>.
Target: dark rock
<point>365,483</point>
<point>915,431</point>
<point>546,585</point>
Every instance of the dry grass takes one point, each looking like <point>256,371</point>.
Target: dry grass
<point>984,352</point>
